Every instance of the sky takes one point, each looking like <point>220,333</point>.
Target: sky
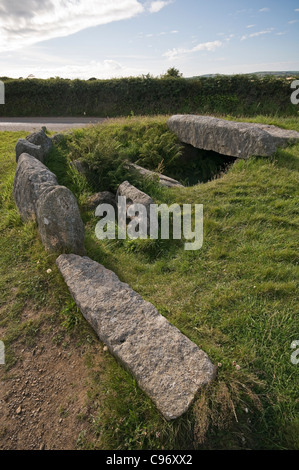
<point>121,38</point>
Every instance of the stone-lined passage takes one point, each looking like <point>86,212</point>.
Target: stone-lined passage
<point>236,139</point>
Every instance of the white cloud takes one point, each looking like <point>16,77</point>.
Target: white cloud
<point>250,26</point>
<point>25,22</point>
<point>263,10</point>
<point>296,9</point>
<point>99,69</point>
<point>259,33</point>
<point>293,21</point>
<point>162,33</point>
<point>205,46</point>
<point>157,5</point>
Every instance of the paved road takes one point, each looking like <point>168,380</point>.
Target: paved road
<point>52,124</point>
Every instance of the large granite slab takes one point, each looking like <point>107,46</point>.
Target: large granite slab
<point>166,364</point>
<point>236,139</point>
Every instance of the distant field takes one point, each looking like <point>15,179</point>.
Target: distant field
<point>236,298</point>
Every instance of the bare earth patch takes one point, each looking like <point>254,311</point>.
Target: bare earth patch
<point>43,397</point>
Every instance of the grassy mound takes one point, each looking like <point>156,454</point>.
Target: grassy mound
<point>236,297</point>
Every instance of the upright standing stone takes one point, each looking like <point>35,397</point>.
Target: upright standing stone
<point>135,196</point>
<point>32,178</point>
<point>23,146</point>
<point>166,364</point>
<point>41,138</point>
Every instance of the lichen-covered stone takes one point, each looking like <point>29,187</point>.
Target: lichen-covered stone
<point>24,146</point>
<point>161,179</point>
<point>59,221</point>
<point>166,364</point>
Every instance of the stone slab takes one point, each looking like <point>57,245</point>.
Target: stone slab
<point>236,139</point>
<point>162,179</point>
<point>24,146</point>
<point>32,178</point>
<point>166,364</point>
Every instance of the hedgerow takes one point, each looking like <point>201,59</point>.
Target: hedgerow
<point>145,95</point>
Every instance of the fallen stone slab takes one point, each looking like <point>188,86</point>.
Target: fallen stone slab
<point>166,364</point>
<point>236,139</point>
<point>32,178</point>
<point>24,146</point>
<point>59,222</point>
<point>41,138</point>
<point>162,179</point>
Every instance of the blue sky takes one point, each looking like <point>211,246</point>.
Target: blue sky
<point>105,38</point>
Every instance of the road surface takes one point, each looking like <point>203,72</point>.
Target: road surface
<point>52,124</point>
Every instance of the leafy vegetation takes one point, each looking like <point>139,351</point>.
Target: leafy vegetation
<point>236,297</point>
<point>242,95</point>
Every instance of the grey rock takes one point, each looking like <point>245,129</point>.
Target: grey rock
<point>236,139</point>
<point>41,138</point>
<point>24,146</point>
<point>166,364</point>
<point>80,166</point>
<point>104,197</point>
<point>59,221</point>
<point>32,178</point>
<point>161,179</point>
<point>135,196</point>
<point>57,138</point>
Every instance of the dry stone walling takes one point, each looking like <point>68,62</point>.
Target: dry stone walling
<point>236,139</point>
<point>166,364</point>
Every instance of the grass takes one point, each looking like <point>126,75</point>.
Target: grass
<point>236,298</point>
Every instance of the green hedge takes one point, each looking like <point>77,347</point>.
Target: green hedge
<point>237,95</point>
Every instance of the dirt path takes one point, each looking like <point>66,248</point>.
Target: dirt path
<point>44,396</point>
<point>52,124</point>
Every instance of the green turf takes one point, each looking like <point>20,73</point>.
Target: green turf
<point>236,298</point>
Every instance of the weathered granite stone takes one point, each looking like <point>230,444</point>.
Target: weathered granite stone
<point>32,178</point>
<point>24,146</point>
<point>57,138</point>
<point>135,196</point>
<point>41,138</point>
<point>166,364</point>
<point>161,179</point>
<point>236,139</point>
<point>59,221</point>
<point>80,166</point>
<point>104,197</point>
